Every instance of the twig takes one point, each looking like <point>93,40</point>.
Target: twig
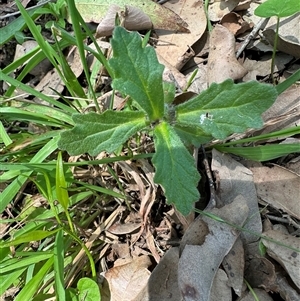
<point>260,25</point>
<point>214,200</point>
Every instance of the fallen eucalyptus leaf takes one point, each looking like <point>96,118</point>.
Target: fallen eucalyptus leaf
<point>161,17</point>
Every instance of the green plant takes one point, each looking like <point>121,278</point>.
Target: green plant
<point>217,112</point>
<point>279,9</point>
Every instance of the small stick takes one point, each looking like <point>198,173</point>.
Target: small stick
<point>260,25</point>
<point>214,200</point>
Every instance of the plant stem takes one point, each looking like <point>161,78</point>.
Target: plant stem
<point>209,26</point>
<point>274,51</point>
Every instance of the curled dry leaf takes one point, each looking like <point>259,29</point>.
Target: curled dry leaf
<point>235,23</point>
<point>161,17</point>
<point>132,18</point>
<point>222,63</point>
<point>219,9</point>
<point>286,252</point>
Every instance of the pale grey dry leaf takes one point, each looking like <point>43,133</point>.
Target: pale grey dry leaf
<point>198,264</point>
<point>220,290</point>
<point>278,187</point>
<point>235,179</point>
<point>289,259</point>
<point>234,264</point>
<point>287,292</point>
<point>222,63</point>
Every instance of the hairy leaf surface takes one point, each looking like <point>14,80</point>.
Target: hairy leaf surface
<point>137,72</point>
<point>175,169</point>
<point>227,108</point>
<point>94,133</point>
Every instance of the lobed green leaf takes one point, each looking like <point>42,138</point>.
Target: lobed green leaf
<point>175,169</point>
<point>226,108</point>
<point>94,133</point>
<point>137,72</point>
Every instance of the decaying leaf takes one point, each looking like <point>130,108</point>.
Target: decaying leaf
<point>220,8</point>
<point>220,290</point>
<point>233,264</point>
<point>176,48</point>
<point>222,63</point>
<point>198,264</point>
<point>161,17</point>
<point>132,18</point>
<point>163,283</point>
<point>235,179</point>
<point>126,279</point>
<point>235,23</point>
<point>282,253</point>
<point>283,44</point>
<point>278,187</point>
<point>260,272</point>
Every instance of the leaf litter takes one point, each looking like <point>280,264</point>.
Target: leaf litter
<point>209,254</point>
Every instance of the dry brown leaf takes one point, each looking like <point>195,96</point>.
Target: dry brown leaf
<point>222,63</point>
<point>283,44</point>
<point>260,272</point>
<point>161,17</point>
<point>285,112</point>
<point>198,264</point>
<point>235,23</point>
<point>126,279</point>
<point>288,258</point>
<point>262,67</point>
<point>40,69</point>
<point>278,187</point>
<point>234,263</point>
<point>235,179</point>
<point>175,46</point>
<point>162,284</point>
<point>195,234</point>
<point>121,229</point>
<point>132,18</point>
<point>218,9</point>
